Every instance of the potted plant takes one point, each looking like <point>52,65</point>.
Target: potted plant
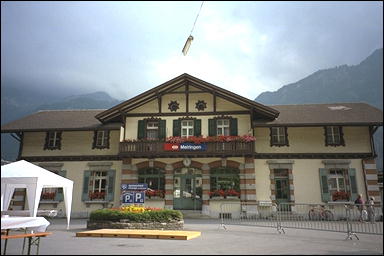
<point>97,195</point>
<point>340,196</point>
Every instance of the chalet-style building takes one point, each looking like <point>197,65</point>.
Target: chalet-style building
<point>193,143</point>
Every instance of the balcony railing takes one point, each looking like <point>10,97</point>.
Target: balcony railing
<point>157,149</point>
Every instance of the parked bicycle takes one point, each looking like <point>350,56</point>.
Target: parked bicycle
<point>319,212</point>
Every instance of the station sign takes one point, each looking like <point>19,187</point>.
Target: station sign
<point>185,147</point>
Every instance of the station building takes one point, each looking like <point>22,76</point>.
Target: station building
<point>197,145</point>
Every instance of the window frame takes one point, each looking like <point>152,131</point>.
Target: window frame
<point>223,173</point>
<point>189,129</point>
<point>280,134</point>
<point>56,140</point>
<point>104,139</point>
<point>144,175</point>
<point>340,134</point>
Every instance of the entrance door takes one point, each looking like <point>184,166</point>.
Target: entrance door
<point>187,193</point>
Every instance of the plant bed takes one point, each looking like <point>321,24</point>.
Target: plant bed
<point>136,217</point>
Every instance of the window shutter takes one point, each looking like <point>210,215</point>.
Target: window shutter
<point>111,185</point>
<point>197,127</point>
<point>325,195</point>
<point>46,140</point>
<point>59,194</point>
<point>176,128</point>
<point>85,196</point>
<point>233,127</point>
<point>106,139</point>
<point>141,130</point>
<point>58,145</point>
<point>212,131</point>
<point>94,139</point>
<point>353,183</point>
<point>162,131</point>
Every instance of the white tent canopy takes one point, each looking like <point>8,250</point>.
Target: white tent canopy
<point>23,174</point>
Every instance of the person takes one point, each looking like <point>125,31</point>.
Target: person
<point>371,209</point>
<point>359,202</point>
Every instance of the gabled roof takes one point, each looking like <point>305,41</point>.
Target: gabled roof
<point>59,120</point>
<point>114,112</point>
<point>325,114</point>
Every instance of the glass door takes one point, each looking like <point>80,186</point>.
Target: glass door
<point>187,193</point>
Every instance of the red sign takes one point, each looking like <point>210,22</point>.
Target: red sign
<point>171,147</point>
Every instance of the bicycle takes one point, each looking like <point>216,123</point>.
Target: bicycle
<point>320,213</point>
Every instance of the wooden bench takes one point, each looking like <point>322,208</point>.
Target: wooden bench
<point>33,239</point>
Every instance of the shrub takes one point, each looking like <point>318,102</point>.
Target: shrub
<point>144,216</point>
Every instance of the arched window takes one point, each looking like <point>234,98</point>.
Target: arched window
<point>154,177</point>
<point>225,178</point>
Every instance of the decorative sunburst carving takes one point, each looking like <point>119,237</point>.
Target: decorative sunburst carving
<point>173,106</point>
<point>201,105</point>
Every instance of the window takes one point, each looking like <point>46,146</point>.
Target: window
<point>222,127</point>
<point>53,194</point>
<point>224,178</point>
<point>101,139</point>
<point>151,129</point>
<point>187,128</point>
<point>98,185</point>
<point>52,140</point>
<point>155,179</point>
<point>338,184</point>
<point>334,136</point>
<point>279,136</point>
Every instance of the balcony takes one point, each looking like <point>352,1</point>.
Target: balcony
<point>206,149</point>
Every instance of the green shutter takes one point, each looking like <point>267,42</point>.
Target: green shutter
<point>353,183</point>
<point>325,195</point>
<point>85,196</point>
<point>212,131</point>
<point>141,130</point>
<point>59,194</point>
<point>162,130</point>
<point>197,127</point>
<point>233,127</point>
<point>111,185</point>
<point>176,128</point>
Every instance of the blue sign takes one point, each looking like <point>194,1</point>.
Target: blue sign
<point>193,147</point>
<point>135,186</point>
<point>133,198</point>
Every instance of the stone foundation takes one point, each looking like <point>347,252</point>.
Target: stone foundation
<point>125,224</point>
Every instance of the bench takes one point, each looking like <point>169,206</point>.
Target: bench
<point>33,239</point>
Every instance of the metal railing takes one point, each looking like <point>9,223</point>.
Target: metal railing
<point>334,217</point>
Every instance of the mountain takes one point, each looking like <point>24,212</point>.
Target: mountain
<point>17,102</point>
<point>358,83</point>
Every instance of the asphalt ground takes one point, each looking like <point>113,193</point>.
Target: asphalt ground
<point>214,240</point>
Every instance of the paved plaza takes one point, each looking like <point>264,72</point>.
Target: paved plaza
<point>235,239</point>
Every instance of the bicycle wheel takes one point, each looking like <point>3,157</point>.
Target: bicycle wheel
<point>313,215</point>
<point>328,215</point>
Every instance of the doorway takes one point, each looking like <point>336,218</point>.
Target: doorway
<point>282,192</point>
<point>188,192</point>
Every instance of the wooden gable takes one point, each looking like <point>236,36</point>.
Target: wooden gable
<point>186,95</point>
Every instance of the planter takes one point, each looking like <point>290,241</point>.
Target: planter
<point>125,224</point>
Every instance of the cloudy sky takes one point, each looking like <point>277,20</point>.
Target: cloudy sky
<point>126,48</point>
